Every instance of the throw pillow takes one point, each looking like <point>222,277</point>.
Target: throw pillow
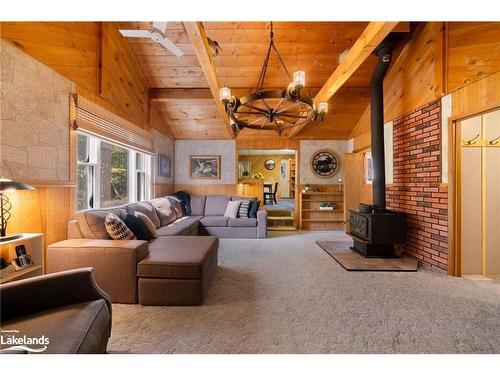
<point>117,229</point>
<point>244,208</point>
<point>176,206</point>
<point>164,210</point>
<point>150,227</point>
<point>232,209</point>
<point>252,213</point>
<point>137,227</point>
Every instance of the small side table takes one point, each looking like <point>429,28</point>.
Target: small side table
<point>34,247</point>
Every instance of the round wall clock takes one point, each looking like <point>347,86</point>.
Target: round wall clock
<point>269,164</point>
<point>325,163</point>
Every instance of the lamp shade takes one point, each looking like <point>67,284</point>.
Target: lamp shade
<point>9,185</point>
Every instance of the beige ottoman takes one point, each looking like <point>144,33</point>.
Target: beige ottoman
<point>177,271</point>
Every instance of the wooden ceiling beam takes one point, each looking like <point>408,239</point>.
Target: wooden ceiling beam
<point>198,37</point>
<point>371,37</point>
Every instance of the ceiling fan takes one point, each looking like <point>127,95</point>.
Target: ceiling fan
<point>157,34</point>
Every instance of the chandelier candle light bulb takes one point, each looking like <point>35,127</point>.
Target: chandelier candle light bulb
<point>323,108</point>
<point>299,79</point>
<point>276,110</point>
<point>225,94</point>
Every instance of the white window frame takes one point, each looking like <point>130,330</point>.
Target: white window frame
<point>94,160</point>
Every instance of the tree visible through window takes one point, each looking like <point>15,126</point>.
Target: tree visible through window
<point>114,175</point>
<point>110,175</point>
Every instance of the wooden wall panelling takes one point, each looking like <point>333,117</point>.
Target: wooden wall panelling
<point>160,190</point>
<point>215,189</point>
<point>157,120</point>
<point>263,143</point>
<point>122,81</point>
<point>353,174</point>
<point>477,97</point>
<point>473,52</point>
<point>70,48</point>
<point>47,210</point>
<point>410,83</point>
<point>441,59</point>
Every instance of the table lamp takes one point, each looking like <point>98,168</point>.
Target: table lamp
<point>5,205</point>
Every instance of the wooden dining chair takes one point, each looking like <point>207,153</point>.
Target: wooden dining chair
<point>270,196</point>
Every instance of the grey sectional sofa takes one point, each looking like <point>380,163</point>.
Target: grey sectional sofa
<point>174,269</point>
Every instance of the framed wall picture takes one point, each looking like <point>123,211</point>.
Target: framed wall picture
<point>325,163</point>
<point>245,168</point>
<point>204,167</point>
<point>164,166</point>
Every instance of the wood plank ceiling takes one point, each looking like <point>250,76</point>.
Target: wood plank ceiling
<point>311,46</point>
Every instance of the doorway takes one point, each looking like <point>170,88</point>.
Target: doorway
<point>271,175</point>
<point>477,201</point>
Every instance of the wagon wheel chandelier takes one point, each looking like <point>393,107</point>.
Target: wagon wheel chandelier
<point>273,109</point>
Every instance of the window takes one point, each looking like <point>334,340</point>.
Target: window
<point>109,174</point>
<point>140,172</point>
<point>86,159</point>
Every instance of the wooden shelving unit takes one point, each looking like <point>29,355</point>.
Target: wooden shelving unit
<point>291,180</point>
<point>34,247</point>
<point>312,218</point>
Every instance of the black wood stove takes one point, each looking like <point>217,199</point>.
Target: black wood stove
<point>374,229</point>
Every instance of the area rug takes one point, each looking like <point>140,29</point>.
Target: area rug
<point>352,261</point>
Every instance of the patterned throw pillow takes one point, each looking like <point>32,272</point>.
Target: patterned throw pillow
<point>117,229</point>
<point>244,208</point>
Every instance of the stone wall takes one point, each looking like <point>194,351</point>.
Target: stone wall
<point>34,122</point>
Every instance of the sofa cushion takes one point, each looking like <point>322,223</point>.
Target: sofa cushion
<point>238,198</point>
<point>179,257</point>
<point>244,208</point>
<point>91,222</point>
<point>232,209</point>
<point>181,227</point>
<point>214,221</point>
<point>242,222</point>
<point>198,205</point>
<point>166,213</point>
<point>216,205</point>
<point>146,208</point>
<point>148,225</point>
<point>176,206</point>
<point>77,328</point>
<point>137,227</point>
<point>254,207</point>
<point>117,229</point>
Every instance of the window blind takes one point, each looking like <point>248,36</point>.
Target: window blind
<point>98,121</point>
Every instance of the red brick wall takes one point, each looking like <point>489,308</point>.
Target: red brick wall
<point>417,189</point>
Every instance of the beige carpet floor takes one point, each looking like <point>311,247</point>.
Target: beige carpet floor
<point>285,294</point>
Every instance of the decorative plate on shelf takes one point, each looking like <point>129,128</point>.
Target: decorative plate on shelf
<point>325,163</point>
